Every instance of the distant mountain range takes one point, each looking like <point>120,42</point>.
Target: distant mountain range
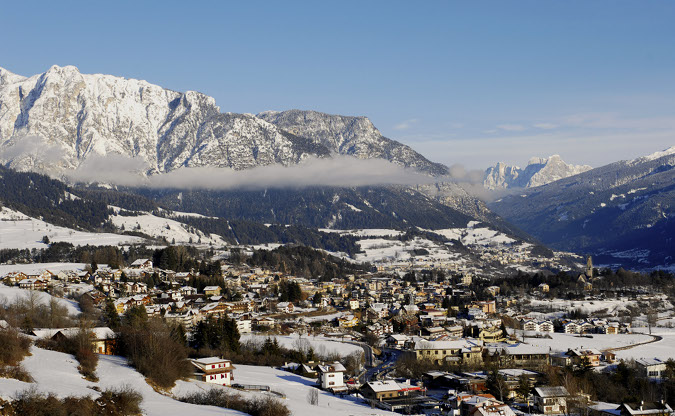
<point>538,172</point>
<point>624,212</point>
<point>82,115</point>
<point>56,121</point>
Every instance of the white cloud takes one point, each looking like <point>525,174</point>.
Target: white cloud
<point>545,126</point>
<point>339,171</point>
<point>33,147</point>
<point>404,125</point>
<point>511,127</point>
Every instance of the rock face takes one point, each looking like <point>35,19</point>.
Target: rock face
<point>76,116</point>
<point>538,172</point>
<point>356,136</point>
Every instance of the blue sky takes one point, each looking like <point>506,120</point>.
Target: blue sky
<point>461,82</point>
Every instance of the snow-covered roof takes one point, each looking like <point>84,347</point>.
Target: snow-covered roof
<point>390,385</point>
<point>647,362</point>
<point>332,368</point>
<point>551,391</point>
<point>210,360</point>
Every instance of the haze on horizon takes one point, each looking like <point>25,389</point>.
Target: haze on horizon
<point>591,81</point>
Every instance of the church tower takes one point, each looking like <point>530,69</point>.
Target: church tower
<point>589,268</point>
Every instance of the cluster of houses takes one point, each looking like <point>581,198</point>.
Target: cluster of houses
<point>578,326</point>
<point>443,322</point>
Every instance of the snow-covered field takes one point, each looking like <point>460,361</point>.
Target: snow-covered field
<point>380,249</point>
<point>11,293</point>
<point>20,231</point>
<point>369,232</point>
<point>663,349</point>
<point>322,346</point>
<point>475,236</point>
<point>556,306</point>
<point>165,228</point>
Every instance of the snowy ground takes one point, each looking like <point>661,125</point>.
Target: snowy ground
<point>40,267</point>
<point>165,228</point>
<point>20,231</point>
<point>475,236</point>
<point>57,373</point>
<point>321,346</point>
<point>296,389</point>
<point>369,232</point>
<point>663,349</point>
<point>12,293</point>
<point>560,306</point>
<point>380,249</point>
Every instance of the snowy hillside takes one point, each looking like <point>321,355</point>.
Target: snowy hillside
<point>166,228</point>
<point>20,231</point>
<point>13,293</point>
<point>57,373</point>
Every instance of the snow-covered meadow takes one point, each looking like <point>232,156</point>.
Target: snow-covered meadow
<point>322,346</point>
<point>12,293</point>
<point>20,231</point>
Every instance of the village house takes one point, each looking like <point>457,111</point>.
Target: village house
<point>285,307</point>
<point>652,368</point>
<point>331,376</point>
<point>645,409</point>
<point>244,326</point>
<point>142,264</point>
<point>551,400</point>
<point>33,284</point>
<point>102,338</point>
<point>464,351</point>
<point>579,355</point>
<point>389,390</point>
<point>212,290</point>
<point>213,370</point>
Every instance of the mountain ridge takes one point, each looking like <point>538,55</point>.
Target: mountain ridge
<point>83,115</point>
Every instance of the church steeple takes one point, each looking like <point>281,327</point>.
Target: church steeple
<point>589,267</point>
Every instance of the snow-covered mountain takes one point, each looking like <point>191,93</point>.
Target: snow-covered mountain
<point>538,172</point>
<point>355,136</point>
<point>58,119</point>
<point>622,212</point>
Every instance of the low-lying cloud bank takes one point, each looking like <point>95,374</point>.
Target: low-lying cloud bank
<point>335,171</point>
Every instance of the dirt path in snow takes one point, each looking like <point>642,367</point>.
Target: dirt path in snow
<point>655,338</point>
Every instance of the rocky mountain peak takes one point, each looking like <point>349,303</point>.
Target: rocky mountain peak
<point>86,115</point>
<point>539,171</point>
<point>355,136</point>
